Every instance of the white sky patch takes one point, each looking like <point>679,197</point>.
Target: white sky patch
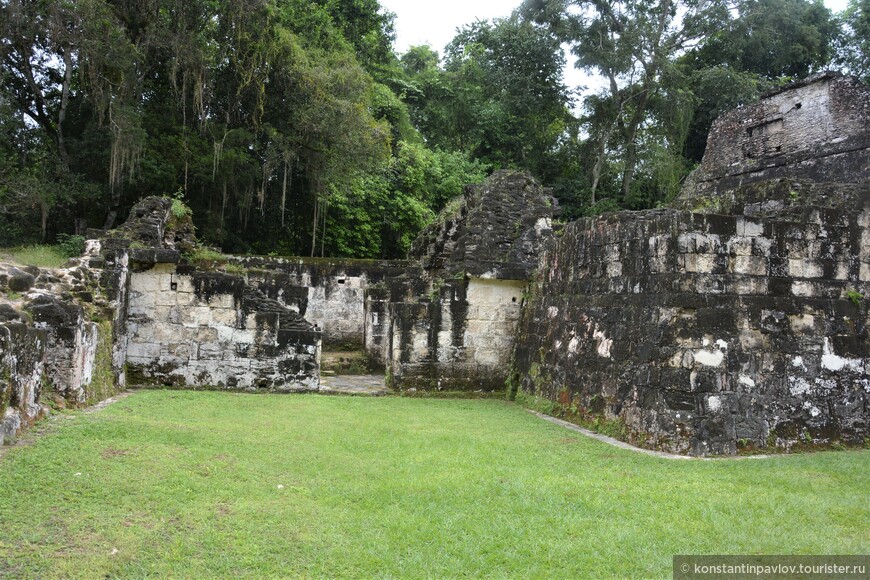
<point>435,24</point>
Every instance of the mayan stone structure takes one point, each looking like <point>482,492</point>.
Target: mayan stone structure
<point>62,338</point>
<point>451,325</point>
<point>328,292</point>
<point>738,320</point>
<point>806,146</point>
<point>193,327</point>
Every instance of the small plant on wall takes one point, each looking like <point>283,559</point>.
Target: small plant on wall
<point>854,297</point>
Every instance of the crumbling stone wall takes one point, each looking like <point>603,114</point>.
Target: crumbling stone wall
<point>329,293</point>
<point>194,328</point>
<point>703,334</point>
<point>461,339</point>
<point>185,326</point>
<point>56,338</point>
<point>707,333</point>
<point>808,144</point>
<point>22,351</point>
<point>451,326</point>
<point>496,230</point>
<point>71,346</point>
<point>378,340</point>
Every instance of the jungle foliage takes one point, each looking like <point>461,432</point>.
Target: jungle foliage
<point>293,127</point>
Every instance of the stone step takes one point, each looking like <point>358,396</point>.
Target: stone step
<point>365,385</point>
<point>344,362</point>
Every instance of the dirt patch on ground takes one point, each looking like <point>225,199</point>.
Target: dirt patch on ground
<point>111,453</point>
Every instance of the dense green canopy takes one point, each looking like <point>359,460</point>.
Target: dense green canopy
<point>291,126</point>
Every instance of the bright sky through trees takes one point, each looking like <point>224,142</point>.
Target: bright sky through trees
<point>435,24</point>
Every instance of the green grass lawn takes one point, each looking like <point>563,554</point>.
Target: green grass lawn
<point>41,256</point>
<point>190,484</point>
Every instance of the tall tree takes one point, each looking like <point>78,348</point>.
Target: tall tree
<point>772,39</point>
<point>499,96</point>
<point>764,43</point>
<point>631,44</point>
<point>854,47</point>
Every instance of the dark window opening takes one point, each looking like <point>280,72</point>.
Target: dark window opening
<point>341,280</point>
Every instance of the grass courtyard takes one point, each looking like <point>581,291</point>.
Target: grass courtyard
<point>202,484</point>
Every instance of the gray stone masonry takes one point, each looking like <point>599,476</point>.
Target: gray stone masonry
<point>705,333</point>
<point>209,329</point>
<point>22,350</point>
<point>329,293</point>
<point>806,145</point>
<point>54,325</point>
<point>452,325</point>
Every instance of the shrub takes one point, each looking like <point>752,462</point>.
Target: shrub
<point>71,246</point>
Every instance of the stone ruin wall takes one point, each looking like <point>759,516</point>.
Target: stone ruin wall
<point>450,324</point>
<point>328,292</point>
<point>459,340</point>
<point>177,337</point>
<point>208,329</point>
<point>62,340</point>
<point>741,326</point>
<point>705,333</point>
<point>807,145</point>
<point>21,369</point>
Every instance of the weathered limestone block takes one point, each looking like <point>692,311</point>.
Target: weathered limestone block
<point>18,280</point>
<point>22,352</point>
<point>449,344</point>
<point>152,223</point>
<point>221,334</point>
<point>70,348</point>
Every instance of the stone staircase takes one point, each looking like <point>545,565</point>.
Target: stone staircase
<point>348,372</point>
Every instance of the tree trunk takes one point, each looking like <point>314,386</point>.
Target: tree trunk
<point>651,70</point>
<point>601,151</point>
<point>323,233</point>
<point>43,209</point>
<point>599,160</point>
<point>223,206</point>
<point>314,227</point>
<point>64,101</point>
<point>284,193</point>
<point>631,141</point>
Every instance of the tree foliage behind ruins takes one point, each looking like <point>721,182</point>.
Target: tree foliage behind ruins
<point>292,126</point>
<point>275,120</point>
